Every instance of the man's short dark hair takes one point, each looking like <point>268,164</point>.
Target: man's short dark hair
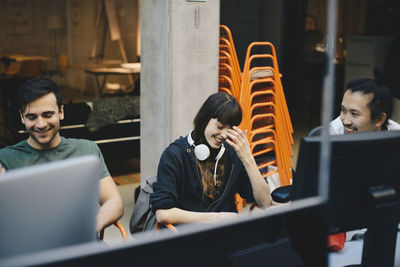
<point>382,99</point>
<point>34,89</point>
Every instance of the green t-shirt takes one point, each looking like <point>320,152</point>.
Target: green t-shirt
<point>22,154</point>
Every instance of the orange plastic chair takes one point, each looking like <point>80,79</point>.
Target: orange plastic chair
<point>226,34</point>
<point>281,104</point>
<point>274,64</point>
<point>261,100</point>
<point>275,78</point>
<point>261,96</point>
<point>239,202</point>
<point>226,70</point>
<point>283,161</point>
<point>228,60</point>
<point>265,127</point>
<point>168,225</point>
<point>269,64</point>
<point>225,84</point>
<point>264,102</point>
<point>120,228</point>
<point>228,47</point>
<point>262,147</point>
<point>265,109</point>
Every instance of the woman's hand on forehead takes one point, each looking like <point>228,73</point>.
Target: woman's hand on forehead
<point>238,140</point>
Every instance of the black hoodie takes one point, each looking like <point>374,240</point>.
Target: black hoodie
<point>179,185</point>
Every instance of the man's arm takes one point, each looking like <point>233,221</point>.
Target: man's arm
<point>111,208</point>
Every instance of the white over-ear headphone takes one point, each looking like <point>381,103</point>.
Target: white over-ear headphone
<point>202,152</point>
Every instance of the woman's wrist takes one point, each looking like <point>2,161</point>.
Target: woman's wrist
<point>249,161</point>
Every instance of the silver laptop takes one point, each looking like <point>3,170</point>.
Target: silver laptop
<point>48,206</point>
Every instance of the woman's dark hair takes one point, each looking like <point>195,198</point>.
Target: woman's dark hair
<point>34,89</point>
<point>220,106</point>
<point>226,110</point>
<point>382,99</point>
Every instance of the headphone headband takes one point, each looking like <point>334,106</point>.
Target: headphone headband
<point>190,139</point>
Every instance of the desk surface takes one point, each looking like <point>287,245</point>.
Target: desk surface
<point>132,66</point>
<point>111,71</point>
<point>27,58</point>
<point>352,253</point>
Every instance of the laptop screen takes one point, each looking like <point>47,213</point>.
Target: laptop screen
<point>48,206</point>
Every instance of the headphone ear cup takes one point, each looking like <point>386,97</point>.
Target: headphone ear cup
<point>202,152</point>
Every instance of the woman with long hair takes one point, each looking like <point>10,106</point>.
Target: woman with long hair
<point>199,175</point>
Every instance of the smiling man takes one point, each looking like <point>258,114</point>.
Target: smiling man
<point>42,118</point>
<point>41,111</point>
<point>366,106</point>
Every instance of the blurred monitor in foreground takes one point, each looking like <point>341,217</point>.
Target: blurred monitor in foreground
<point>48,206</point>
<point>263,239</point>
<point>364,189</point>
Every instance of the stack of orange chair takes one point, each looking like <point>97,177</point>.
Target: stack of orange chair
<point>229,69</point>
<point>265,113</point>
<point>260,93</point>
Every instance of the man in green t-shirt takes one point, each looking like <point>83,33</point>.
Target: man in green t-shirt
<point>39,101</point>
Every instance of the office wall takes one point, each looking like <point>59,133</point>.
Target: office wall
<point>74,37</point>
<point>179,71</point>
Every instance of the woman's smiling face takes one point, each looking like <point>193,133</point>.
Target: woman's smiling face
<point>215,133</point>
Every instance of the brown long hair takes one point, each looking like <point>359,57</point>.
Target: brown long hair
<point>226,110</point>
<point>206,170</point>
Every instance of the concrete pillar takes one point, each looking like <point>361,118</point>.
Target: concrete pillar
<point>179,57</point>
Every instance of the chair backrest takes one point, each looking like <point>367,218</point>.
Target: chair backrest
<point>315,131</point>
<point>120,228</point>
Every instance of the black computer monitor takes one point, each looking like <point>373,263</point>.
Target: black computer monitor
<point>364,188</point>
<point>264,239</point>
